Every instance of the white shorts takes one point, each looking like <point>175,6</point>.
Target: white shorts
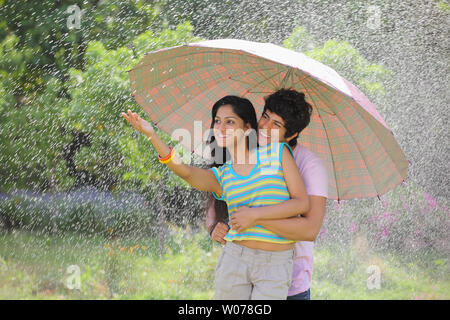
<point>250,274</point>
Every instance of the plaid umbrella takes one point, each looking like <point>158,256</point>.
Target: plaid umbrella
<point>177,86</point>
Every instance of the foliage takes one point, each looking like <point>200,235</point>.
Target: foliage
<point>97,96</point>
<point>100,93</point>
<point>31,140</point>
<point>51,46</point>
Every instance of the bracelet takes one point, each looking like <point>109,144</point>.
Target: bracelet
<point>166,157</point>
<point>169,157</point>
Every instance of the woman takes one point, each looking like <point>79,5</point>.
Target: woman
<point>256,263</point>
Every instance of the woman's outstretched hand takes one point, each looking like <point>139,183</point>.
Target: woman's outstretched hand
<point>139,124</point>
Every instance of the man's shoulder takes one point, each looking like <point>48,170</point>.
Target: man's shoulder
<point>303,155</point>
<point>313,171</point>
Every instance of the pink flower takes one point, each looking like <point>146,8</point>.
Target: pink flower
<point>322,232</point>
<point>353,227</point>
<point>386,215</point>
<point>431,201</point>
<point>338,205</point>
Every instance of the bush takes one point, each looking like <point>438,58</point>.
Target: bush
<point>407,221</point>
<point>90,211</point>
<point>57,214</point>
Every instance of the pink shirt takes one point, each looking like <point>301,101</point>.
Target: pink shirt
<point>315,177</point>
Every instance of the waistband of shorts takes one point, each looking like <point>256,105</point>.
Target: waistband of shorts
<point>258,254</point>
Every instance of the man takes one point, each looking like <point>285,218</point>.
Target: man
<point>285,115</point>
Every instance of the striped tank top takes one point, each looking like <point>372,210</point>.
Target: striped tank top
<point>263,186</point>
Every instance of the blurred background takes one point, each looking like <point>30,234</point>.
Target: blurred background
<point>87,211</point>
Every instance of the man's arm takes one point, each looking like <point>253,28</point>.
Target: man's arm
<point>300,228</point>
<point>217,231</point>
<point>210,217</point>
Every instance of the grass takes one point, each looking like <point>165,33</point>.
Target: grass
<point>36,266</point>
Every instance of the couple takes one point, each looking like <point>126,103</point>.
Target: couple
<point>269,205</point>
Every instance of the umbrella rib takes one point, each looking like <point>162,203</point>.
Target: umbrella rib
<point>229,78</point>
<point>326,133</point>
<point>180,107</point>
<point>175,110</point>
<point>193,54</point>
<point>286,77</point>
<point>240,53</point>
<point>254,71</point>
<point>261,82</point>
<point>381,142</point>
<point>359,151</point>
<point>314,87</point>
<point>197,69</point>
<point>364,159</point>
<point>178,75</point>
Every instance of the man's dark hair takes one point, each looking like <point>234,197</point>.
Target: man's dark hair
<point>290,105</point>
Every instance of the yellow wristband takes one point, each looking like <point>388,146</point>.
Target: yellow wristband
<point>172,154</point>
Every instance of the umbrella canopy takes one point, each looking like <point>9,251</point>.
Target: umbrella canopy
<point>178,86</point>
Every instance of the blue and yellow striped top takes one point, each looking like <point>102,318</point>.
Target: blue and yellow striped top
<point>263,186</point>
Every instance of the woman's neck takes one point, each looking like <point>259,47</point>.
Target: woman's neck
<point>241,155</point>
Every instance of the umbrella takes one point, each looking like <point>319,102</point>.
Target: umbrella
<point>177,86</point>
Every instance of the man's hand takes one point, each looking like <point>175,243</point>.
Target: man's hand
<point>243,218</point>
<point>219,232</point>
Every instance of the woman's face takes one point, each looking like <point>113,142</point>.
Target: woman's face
<point>229,129</point>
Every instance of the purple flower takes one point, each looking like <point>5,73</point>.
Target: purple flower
<point>386,215</point>
<point>323,231</point>
<point>431,201</point>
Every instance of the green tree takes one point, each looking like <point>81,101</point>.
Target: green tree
<point>99,94</point>
<point>53,141</point>
<point>49,42</point>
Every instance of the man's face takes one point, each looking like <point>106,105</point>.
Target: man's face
<point>271,128</point>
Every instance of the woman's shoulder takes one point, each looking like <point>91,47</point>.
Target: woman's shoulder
<point>221,168</point>
<point>273,152</point>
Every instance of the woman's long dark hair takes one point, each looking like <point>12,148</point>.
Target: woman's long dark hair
<point>244,109</point>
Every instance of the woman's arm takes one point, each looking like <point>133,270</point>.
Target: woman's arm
<point>301,228</point>
<point>201,179</point>
<point>244,217</point>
